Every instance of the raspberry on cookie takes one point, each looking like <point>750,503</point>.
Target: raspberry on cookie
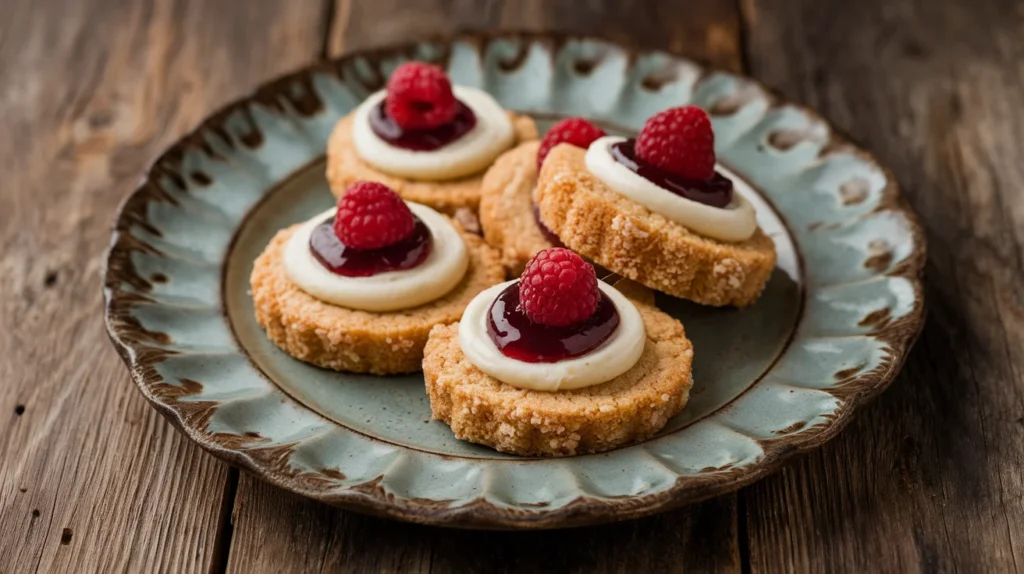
<point>426,139</point>
<point>508,214</point>
<point>358,288</point>
<point>557,364</point>
<point>558,288</point>
<point>656,210</point>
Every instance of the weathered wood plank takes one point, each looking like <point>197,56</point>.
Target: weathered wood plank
<point>279,532</point>
<point>92,478</point>
<point>276,531</point>
<point>929,477</point>
<point>705,30</point>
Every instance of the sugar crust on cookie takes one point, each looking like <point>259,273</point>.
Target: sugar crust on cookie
<point>358,341</point>
<point>634,242</point>
<point>506,207</point>
<point>625,410</point>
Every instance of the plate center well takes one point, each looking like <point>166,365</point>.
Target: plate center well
<point>733,348</point>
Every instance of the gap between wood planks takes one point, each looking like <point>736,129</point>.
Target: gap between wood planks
<point>222,543</point>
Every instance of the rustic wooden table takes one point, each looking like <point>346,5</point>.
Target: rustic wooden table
<point>929,477</point>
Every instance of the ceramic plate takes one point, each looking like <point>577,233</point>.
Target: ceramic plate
<point>783,376</point>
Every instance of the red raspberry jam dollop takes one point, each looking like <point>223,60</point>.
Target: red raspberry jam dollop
<point>343,260</point>
<point>519,338</point>
<point>716,192</point>
<point>545,230</point>
<point>421,140</point>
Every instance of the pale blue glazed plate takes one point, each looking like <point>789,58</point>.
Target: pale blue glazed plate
<point>783,376</point>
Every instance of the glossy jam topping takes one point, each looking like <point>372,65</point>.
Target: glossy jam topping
<point>421,140</point>
<point>341,259</point>
<point>716,192</point>
<point>545,230</point>
<point>517,337</point>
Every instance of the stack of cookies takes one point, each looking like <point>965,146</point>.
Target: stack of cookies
<point>555,361</point>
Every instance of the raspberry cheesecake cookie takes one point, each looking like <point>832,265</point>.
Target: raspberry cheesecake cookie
<point>429,141</point>
<point>656,210</point>
<point>557,364</point>
<point>358,288</point>
<point>508,214</point>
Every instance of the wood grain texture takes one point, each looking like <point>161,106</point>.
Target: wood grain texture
<point>929,477</point>
<point>278,532</point>
<point>706,30</point>
<point>91,477</point>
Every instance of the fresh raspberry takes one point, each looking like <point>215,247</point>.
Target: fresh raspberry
<point>576,131</point>
<point>420,97</point>
<point>680,141</point>
<point>558,288</point>
<point>371,215</point>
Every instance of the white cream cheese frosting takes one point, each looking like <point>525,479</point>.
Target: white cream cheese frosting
<point>615,356</point>
<point>432,279</point>
<point>471,153</point>
<point>734,222</point>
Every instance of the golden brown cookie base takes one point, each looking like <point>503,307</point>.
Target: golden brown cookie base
<point>344,166</point>
<point>632,241</point>
<point>625,410</point>
<point>358,341</point>
<point>506,207</point>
